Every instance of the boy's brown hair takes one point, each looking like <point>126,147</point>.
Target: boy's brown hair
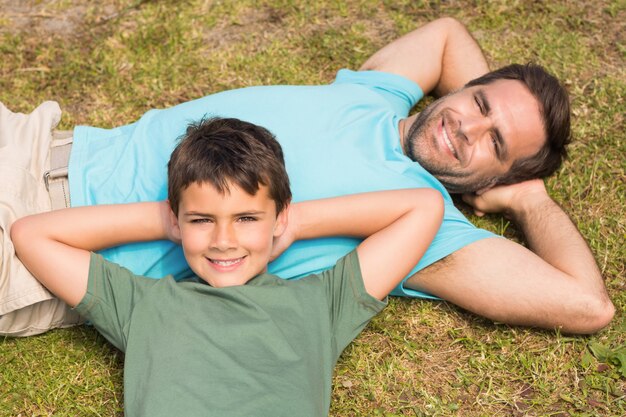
<point>223,150</point>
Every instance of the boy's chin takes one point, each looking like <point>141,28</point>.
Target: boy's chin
<point>221,283</point>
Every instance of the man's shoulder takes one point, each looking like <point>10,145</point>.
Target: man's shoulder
<point>376,78</point>
<point>401,92</point>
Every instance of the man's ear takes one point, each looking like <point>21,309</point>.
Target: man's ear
<point>281,221</point>
<point>483,190</point>
<point>487,187</point>
<point>173,226</point>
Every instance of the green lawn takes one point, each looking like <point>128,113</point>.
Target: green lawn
<point>107,62</point>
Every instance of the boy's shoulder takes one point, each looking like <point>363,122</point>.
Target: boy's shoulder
<point>109,281</point>
<point>346,274</point>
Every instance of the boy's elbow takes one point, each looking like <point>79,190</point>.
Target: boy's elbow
<point>16,232</point>
<point>436,205</point>
<point>19,232</point>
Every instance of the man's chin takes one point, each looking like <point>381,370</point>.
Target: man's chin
<point>455,189</point>
<point>466,188</point>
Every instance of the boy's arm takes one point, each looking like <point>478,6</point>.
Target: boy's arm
<point>55,246</point>
<point>399,226</point>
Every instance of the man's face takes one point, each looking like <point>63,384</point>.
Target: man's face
<point>470,138</point>
<point>227,238</point>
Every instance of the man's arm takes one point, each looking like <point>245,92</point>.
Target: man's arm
<point>557,286</point>
<point>440,57</point>
<point>398,225</point>
<point>55,246</point>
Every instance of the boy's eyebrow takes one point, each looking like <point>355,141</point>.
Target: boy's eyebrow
<point>243,213</point>
<point>502,149</point>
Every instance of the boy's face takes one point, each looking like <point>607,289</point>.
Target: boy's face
<point>227,238</point>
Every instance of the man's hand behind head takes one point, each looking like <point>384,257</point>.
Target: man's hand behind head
<point>510,200</point>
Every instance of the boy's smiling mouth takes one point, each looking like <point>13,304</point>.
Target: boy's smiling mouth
<point>226,263</point>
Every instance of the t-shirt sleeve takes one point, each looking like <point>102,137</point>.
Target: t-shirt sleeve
<point>112,293</point>
<point>400,92</point>
<point>351,307</point>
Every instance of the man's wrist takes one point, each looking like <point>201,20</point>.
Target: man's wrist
<point>528,203</point>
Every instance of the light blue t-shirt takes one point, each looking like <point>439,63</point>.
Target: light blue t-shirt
<point>337,139</point>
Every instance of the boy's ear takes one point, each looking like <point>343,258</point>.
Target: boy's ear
<point>281,221</point>
<point>173,227</point>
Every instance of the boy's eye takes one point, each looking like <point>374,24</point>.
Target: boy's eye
<point>200,220</point>
<point>247,219</point>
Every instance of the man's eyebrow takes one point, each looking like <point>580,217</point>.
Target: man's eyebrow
<point>502,148</point>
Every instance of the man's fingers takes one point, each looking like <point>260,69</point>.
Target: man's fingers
<point>469,198</point>
<point>483,190</point>
<point>472,200</point>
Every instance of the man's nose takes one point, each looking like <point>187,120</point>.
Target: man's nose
<point>224,237</point>
<point>473,128</point>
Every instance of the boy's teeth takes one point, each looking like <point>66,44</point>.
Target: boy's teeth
<point>226,262</point>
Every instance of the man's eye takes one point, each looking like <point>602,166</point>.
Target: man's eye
<point>494,142</point>
<point>200,221</point>
<point>479,105</point>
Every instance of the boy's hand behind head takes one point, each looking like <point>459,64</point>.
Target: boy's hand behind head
<point>289,236</point>
<point>398,226</point>
<point>168,220</point>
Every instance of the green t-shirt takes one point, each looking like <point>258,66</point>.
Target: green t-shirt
<point>267,348</point>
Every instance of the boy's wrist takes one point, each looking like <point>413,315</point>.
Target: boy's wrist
<point>293,221</point>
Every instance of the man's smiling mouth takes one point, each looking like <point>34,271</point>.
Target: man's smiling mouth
<point>447,140</point>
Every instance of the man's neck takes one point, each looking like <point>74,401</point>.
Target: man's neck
<point>403,128</point>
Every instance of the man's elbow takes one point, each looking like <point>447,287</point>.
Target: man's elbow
<point>449,22</point>
<point>604,314</point>
<point>450,25</point>
<point>598,314</point>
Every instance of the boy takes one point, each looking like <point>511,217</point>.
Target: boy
<point>249,343</point>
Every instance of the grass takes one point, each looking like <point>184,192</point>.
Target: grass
<point>107,62</point>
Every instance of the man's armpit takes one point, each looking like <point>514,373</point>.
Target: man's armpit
<point>433,271</point>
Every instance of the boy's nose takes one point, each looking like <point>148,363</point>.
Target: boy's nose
<point>224,237</point>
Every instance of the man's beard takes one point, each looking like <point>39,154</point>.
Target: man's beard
<point>416,146</point>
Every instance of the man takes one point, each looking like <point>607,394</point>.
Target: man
<point>354,136</point>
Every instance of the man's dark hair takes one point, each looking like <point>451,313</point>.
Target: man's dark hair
<point>222,151</point>
<point>555,113</point>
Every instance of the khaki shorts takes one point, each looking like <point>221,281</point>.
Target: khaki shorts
<point>26,307</point>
